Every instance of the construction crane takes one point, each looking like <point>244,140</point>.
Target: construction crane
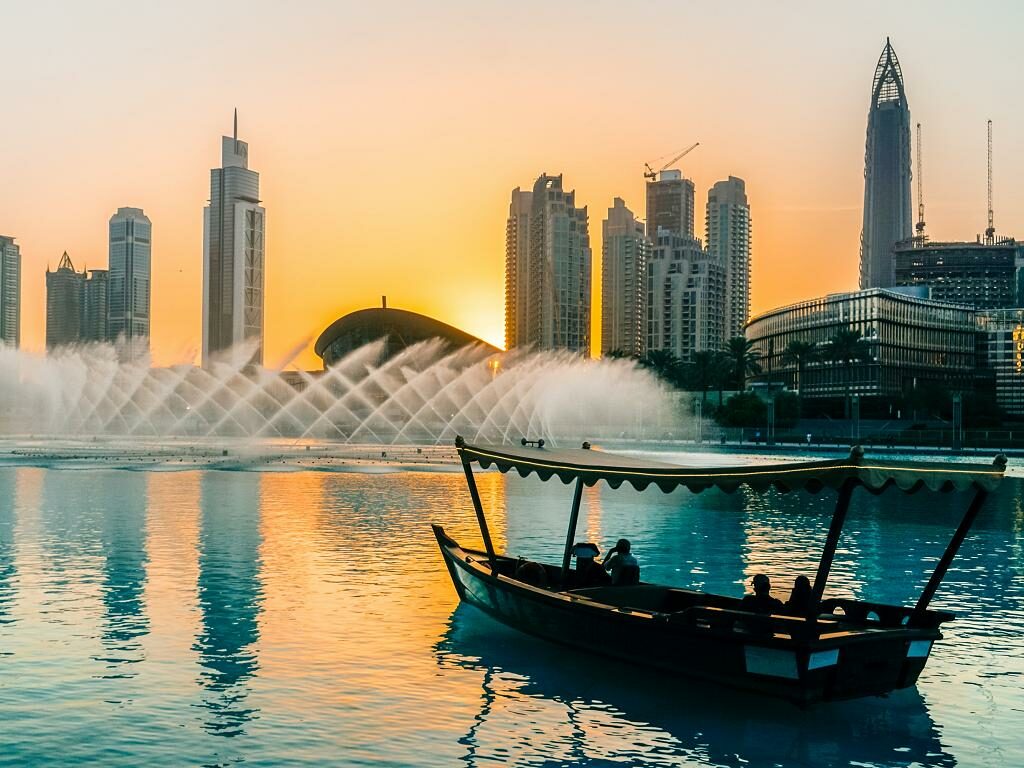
<point>652,174</point>
<point>920,189</point>
<point>990,231</point>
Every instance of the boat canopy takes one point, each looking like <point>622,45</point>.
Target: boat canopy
<point>589,466</point>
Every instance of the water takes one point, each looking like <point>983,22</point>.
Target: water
<point>202,618</point>
<point>423,395</point>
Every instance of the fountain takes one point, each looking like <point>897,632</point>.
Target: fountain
<point>427,394</point>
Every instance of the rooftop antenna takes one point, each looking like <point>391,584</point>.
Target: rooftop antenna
<point>990,232</point>
<point>920,189</point>
<point>236,129</point>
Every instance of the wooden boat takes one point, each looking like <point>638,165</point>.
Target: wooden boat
<point>839,649</point>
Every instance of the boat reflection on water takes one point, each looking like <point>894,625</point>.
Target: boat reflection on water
<point>230,598</point>
<point>541,705</point>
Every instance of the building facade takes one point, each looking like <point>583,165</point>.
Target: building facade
<point>234,229</point>
<point>980,274</point>
<point>10,292</point>
<point>727,228</point>
<point>1002,337</point>
<point>129,281</point>
<point>64,290</point>
<point>909,342</point>
<point>95,326</point>
<point>685,297</point>
<point>887,203</point>
<point>670,204</point>
<point>624,251</point>
<point>517,252</point>
<point>559,270</point>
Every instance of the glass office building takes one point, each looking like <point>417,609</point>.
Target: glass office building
<point>909,341</point>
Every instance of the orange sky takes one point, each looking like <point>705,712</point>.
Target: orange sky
<point>389,137</point>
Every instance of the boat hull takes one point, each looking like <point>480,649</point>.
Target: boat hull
<point>794,659</point>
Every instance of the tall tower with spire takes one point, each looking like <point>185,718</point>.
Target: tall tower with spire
<point>233,256</point>
<point>887,193</point>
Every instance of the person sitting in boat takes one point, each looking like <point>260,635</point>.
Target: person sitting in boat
<point>761,601</point>
<point>533,574</point>
<point>588,572</point>
<point>621,564</point>
<point>799,603</point>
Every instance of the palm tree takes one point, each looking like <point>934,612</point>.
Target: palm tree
<point>664,364</point>
<point>744,360</point>
<point>847,348</point>
<point>801,353</point>
<point>721,373</point>
<point>703,373</point>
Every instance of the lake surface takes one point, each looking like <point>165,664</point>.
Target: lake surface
<point>305,618</point>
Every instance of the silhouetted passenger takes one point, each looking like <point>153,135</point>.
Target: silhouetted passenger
<point>621,564</point>
<point>761,601</point>
<point>799,603</point>
<point>588,572</point>
<point>533,574</point>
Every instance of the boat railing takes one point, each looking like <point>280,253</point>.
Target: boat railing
<point>734,622</point>
<point>881,615</point>
<point>837,615</point>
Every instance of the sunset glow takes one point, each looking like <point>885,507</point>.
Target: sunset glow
<point>388,140</point>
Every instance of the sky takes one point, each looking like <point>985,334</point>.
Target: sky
<point>388,137</point>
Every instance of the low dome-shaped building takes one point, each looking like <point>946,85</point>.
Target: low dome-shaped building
<point>398,327</point>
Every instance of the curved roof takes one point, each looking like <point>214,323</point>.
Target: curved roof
<point>405,327</point>
<point>590,466</point>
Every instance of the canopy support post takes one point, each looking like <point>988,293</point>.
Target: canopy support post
<point>947,557</point>
<point>831,542</point>
<point>570,534</point>
<point>484,532</point>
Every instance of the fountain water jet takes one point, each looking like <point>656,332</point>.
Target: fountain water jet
<point>426,394</point>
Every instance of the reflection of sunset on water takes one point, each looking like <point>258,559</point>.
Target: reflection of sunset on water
<point>307,618</point>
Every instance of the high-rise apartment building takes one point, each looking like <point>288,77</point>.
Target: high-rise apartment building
<point>517,251</point>
<point>128,282</point>
<point>76,305</point>
<point>95,326</point>
<point>10,292</point>
<point>233,255</point>
<point>64,291</point>
<point>670,204</point>
<point>887,210</point>
<point>559,267</point>
<point>727,226</point>
<point>685,297</point>
<point>624,250</point>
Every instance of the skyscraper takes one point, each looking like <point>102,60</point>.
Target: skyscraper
<point>686,297</point>
<point>517,249</point>
<point>670,204</point>
<point>887,211</point>
<point>233,254</point>
<point>624,249</point>
<point>727,226</point>
<point>559,270</point>
<point>95,325</point>
<point>64,291</point>
<point>128,294</point>
<point>10,292</point>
